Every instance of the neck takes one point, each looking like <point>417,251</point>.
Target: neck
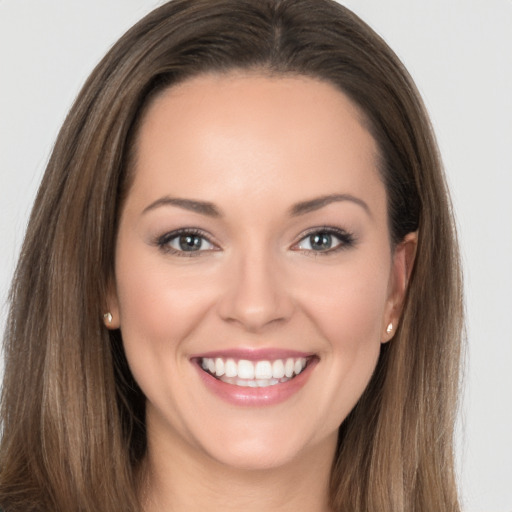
<point>184,479</point>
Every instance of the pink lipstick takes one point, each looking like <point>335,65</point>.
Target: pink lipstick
<point>254,377</point>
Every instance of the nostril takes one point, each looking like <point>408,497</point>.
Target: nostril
<point>254,312</point>
<point>255,295</point>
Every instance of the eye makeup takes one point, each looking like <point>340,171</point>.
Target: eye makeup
<point>190,241</point>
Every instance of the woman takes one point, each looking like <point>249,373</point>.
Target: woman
<point>240,284</point>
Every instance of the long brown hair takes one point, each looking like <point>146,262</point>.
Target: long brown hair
<point>72,417</point>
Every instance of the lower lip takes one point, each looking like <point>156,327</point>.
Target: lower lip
<point>256,397</point>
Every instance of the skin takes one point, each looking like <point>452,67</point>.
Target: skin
<point>254,146</point>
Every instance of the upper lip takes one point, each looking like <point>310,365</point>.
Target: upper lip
<point>253,354</point>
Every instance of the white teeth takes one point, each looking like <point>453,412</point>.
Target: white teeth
<point>252,383</point>
<point>263,370</point>
<point>254,373</point>
<point>231,368</point>
<point>289,367</point>
<point>219,367</point>
<point>278,369</point>
<point>299,365</point>
<point>245,369</point>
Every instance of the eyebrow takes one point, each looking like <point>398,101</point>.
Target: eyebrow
<point>319,202</point>
<point>210,210</point>
<point>202,207</point>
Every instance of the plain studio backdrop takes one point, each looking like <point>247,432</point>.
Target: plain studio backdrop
<point>460,54</point>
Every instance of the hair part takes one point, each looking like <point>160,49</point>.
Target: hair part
<point>73,433</point>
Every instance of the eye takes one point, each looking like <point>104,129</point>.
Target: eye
<point>185,242</point>
<point>326,240</point>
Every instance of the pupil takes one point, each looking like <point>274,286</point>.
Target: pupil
<point>190,242</point>
<point>320,241</point>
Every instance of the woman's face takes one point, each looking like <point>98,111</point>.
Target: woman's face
<point>254,277</point>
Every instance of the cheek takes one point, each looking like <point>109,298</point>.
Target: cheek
<point>160,309</point>
<point>155,300</point>
<point>348,303</point>
<point>347,312</point>
<point>348,308</point>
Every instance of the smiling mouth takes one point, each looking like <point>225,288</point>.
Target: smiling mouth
<point>254,374</point>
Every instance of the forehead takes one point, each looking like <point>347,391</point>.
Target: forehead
<point>254,136</point>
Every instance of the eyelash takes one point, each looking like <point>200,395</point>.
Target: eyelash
<point>346,239</point>
<point>163,242</point>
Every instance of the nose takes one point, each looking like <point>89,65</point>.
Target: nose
<point>256,294</point>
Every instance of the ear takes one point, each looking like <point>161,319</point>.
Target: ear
<point>402,264</point>
<point>111,314</point>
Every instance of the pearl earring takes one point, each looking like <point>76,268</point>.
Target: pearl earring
<point>108,317</point>
<point>389,328</point>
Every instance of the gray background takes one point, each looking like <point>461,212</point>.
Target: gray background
<point>460,54</point>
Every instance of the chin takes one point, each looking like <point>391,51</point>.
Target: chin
<point>270,450</point>
<point>256,457</point>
